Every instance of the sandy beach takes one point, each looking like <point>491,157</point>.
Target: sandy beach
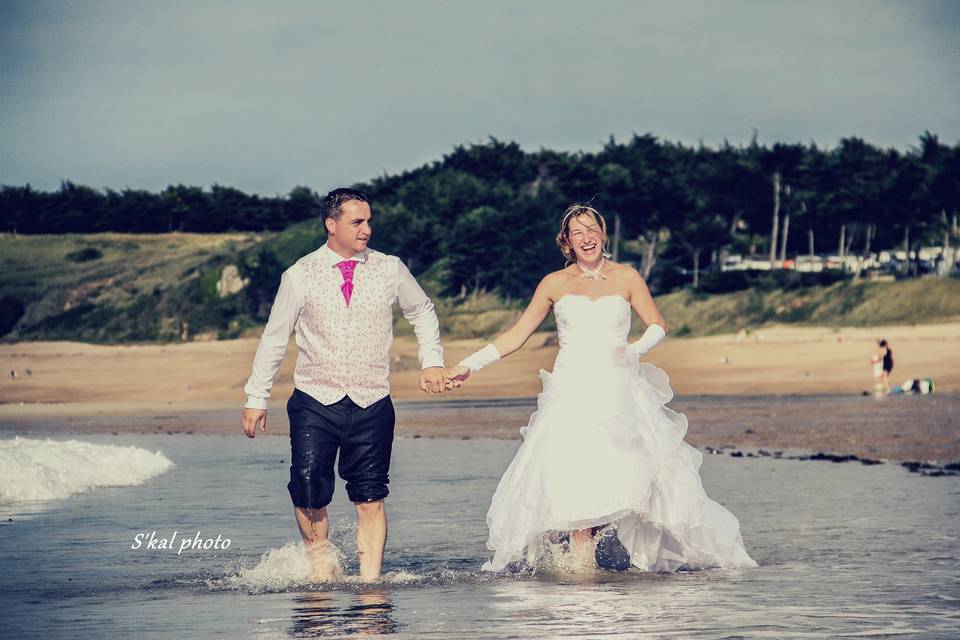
<point>778,387</point>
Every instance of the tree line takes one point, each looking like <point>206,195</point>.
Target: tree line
<point>76,208</point>
<point>484,216</point>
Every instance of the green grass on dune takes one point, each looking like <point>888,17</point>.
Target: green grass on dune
<point>111,287</point>
<point>845,303</point>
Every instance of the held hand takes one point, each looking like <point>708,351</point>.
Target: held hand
<point>457,376</point>
<point>253,418</point>
<point>432,380</point>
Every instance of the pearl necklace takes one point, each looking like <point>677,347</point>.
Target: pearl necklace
<point>592,274</point>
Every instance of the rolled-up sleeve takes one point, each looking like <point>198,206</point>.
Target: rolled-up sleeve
<point>273,342</point>
<point>418,309</point>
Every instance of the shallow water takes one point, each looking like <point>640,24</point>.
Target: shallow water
<point>844,550</point>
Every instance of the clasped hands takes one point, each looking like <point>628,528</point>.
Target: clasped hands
<point>434,380</point>
<point>438,379</point>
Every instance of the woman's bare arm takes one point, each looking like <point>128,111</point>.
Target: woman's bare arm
<point>642,302</point>
<point>512,339</point>
<point>531,318</point>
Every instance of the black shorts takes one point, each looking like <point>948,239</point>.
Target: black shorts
<point>364,438</point>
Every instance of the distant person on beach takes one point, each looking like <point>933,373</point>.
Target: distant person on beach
<point>602,457</point>
<point>885,355</point>
<point>876,366</point>
<point>338,300</point>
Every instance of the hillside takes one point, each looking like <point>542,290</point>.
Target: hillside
<point>113,287</point>
<point>120,288</point>
<point>844,303</point>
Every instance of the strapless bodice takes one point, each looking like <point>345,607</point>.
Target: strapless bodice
<point>595,326</point>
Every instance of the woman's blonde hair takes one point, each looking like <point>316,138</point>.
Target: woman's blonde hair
<point>563,238</point>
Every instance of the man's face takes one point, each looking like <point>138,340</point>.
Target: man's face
<point>351,231</point>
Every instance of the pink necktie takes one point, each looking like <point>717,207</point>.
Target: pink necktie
<point>346,268</point>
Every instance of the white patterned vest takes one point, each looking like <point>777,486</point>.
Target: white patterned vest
<point>346,350</point>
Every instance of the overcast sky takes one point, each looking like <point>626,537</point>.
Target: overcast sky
<point>266,96</point>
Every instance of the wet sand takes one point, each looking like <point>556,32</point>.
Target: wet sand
<point>781,387</point>
<point>901,428</point>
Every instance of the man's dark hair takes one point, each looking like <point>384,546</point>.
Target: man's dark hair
<point>330,206</point>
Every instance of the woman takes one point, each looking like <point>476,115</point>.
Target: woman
<point>602,453</point>
<point>886,354</point>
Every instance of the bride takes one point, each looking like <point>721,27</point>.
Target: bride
<point>602,455</point>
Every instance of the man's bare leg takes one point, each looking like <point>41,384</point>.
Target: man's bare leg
<point>371,537</point>
<point>314,529</point>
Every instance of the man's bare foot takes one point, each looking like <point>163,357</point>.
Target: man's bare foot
<point>325,560</point>
<point>366,575</point>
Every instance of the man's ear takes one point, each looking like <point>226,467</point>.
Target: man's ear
<point>331,225</point>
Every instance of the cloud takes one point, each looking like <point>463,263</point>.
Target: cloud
<point>264,98</point>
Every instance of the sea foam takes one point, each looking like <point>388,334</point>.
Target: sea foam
<point>35,470</point>
<point>289,568</point>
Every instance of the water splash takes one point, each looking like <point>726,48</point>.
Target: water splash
<point>283,569</point>
<point>289,568</point>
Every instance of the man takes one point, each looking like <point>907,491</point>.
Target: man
<point>339,302</point>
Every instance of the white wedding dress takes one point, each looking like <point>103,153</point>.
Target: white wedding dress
<point>602,449</point>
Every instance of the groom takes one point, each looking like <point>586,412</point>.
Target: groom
<point>339,302</point>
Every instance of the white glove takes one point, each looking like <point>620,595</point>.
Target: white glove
<point>479,359</point>
<point>653,336</point>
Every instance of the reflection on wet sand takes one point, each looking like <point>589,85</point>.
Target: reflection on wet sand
<point>629,603</point>
<point>317,614</point>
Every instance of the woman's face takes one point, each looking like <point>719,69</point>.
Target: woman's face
<point>585,238</point>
